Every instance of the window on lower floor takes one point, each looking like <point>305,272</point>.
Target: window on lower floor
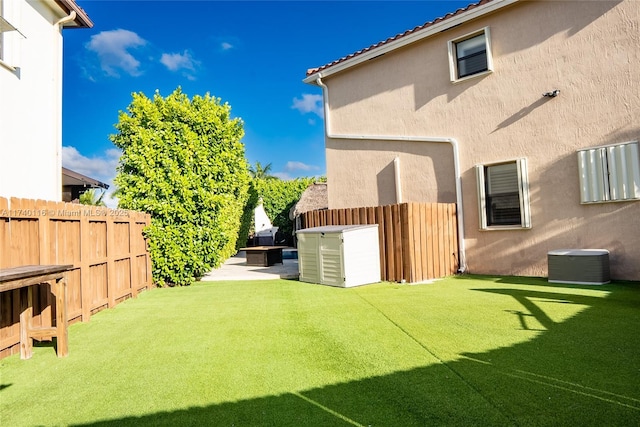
<point>470,55</point>
<point>610,173</point>
<point>503,195</point>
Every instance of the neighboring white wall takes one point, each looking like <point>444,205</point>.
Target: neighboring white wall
<point>31,103</point>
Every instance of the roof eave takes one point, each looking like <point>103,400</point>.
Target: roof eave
<point>82,19</point>
<point>411,38</point>
<point>85,180</point>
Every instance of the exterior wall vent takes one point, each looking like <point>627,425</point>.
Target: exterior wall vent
<point>579,266</point>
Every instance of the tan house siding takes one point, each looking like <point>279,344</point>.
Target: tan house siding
<point>589,50</point>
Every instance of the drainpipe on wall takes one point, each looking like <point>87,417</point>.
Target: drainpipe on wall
<point>396,169</point>
<point>456,164</point>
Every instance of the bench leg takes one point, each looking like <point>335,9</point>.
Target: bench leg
<point>62,343</point>
<point>26,342</point>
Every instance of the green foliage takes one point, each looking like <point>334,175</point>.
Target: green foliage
<point>278,198</point>
<point>183,163</point>
<point>90,197</point>
<point>246,221</point>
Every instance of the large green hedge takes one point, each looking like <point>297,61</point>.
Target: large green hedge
<point>278,197</point>
<point>183,162</point>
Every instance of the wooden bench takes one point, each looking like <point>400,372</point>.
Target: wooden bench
<point>28,276</point>
<point>264,256</point>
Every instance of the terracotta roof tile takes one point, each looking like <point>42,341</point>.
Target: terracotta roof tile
<point>399,36</point>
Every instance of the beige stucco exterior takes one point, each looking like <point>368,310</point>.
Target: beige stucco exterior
<point>589,50</point>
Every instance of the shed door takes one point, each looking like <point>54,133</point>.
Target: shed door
<point>331,265</point>
<point>308,257</point>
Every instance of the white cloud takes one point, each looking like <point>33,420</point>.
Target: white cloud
<point>299,166</point>
<point>293,169</point>
<point>283,176</point>
<point>114,51</point>
<point>102,168</point>
<point>225,43</point>
<point>179,61</point>
<point>309,103</point>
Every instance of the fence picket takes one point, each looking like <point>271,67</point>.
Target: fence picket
<point>418,241</point>
<point>45,232</point>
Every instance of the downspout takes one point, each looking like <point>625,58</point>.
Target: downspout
<point>71,17</point>
<point>396,169</point>
<point>57,28</point>
<point>456,164</point>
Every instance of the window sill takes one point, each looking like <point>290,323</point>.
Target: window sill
<point>504,228</point>
<point>473,76</point>
<point>600,202</point>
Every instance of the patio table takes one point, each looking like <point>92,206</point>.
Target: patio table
<point>27,277</point>
<point>264,256</point>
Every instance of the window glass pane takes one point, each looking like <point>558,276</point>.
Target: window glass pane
<point>470,46</point>
<point>503,196</point>
<point>472,65</point>
<point>502,178</point>
<point>472,56</point>
<point>503,209</point>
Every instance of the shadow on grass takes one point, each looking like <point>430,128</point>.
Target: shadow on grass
<point>584,370</point>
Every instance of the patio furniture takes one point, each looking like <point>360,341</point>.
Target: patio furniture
<point>27,277</point>
<point>264,256</point>
<point>266,237</point>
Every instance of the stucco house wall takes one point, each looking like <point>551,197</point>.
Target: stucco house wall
<point>31,100</point>
<point>589,50</point>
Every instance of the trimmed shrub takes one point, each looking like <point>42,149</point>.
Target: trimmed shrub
<point>182,161</point>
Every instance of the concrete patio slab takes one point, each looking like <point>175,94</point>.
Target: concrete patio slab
<point>236,268</point>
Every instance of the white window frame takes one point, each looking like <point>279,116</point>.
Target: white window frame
<point>609,173</point>
<point>523,193</point>
<point>453,58</point>
<point>7,39</point>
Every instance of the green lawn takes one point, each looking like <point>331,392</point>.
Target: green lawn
<point>468,350</point>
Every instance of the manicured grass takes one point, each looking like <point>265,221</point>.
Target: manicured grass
<point>467,350</point>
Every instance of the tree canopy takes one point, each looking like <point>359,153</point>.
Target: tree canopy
<point>261,172</point>
<point>183,162</point>
<point>90,197</point>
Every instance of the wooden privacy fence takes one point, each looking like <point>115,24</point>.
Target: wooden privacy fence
<point>418,241</point>
<point>105,246</point>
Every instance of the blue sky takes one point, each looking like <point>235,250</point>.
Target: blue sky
<point>252,55</point>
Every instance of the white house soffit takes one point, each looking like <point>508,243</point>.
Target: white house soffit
<point>411,38</point>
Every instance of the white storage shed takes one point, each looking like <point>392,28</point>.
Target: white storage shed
<point>339,255</point>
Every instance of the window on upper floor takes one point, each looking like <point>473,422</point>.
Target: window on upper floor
<point>470,55</point>
<point>609,173</point>
<point>6,38</point>
<point>3,24</point>
<point>503,195</point>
